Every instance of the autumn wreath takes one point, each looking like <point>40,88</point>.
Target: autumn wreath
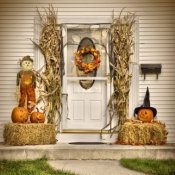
<point>87,59</point>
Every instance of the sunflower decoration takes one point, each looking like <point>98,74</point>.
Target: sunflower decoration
<point>87,59</point>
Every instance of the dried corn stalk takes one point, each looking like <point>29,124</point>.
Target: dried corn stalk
<point>122,44</point>
<point>50,47</point>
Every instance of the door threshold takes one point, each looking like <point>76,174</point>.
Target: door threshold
<point>86,143</point>
<point>85,131</point>
<point>85,136</point>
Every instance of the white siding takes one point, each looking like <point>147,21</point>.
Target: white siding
<point>157,45</point>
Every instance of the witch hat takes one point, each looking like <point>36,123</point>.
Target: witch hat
<point>146,104</point>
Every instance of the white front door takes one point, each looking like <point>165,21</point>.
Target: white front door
<point>85,109</point>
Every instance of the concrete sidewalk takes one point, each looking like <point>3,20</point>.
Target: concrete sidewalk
<point>92,167</point>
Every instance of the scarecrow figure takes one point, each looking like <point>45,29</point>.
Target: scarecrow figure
<point>27,82</point>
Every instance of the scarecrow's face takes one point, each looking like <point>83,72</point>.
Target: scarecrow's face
<point>26,65</point>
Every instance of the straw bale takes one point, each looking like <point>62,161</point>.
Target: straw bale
<point>29,134</point>
<point>134,132</point>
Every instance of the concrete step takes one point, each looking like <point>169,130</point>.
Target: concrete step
<point>85,137</point>
<point>65,151</point>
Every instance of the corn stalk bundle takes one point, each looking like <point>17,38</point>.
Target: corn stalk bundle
<point>50,47</point>
<point>122,44</point>
<point>136,132</point>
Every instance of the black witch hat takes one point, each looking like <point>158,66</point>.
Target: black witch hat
<point>146,104</point>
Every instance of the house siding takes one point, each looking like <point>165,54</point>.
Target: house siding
<point>156,20</point>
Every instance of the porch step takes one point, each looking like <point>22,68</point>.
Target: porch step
<point>85,137</point>
<point>65,151</point>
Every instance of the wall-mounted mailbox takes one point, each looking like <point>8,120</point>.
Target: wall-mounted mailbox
<point>151,69</point>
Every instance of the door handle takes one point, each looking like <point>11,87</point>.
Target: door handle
<point>108,77</point>
<point>67,107</point>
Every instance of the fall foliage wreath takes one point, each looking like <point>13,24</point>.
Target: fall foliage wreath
<point>87,66</point>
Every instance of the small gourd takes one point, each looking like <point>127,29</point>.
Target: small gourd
<point>145,115</point>
<point>19,115</point>
<point>37,117</point>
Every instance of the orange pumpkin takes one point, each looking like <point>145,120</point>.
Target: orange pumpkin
<point>19,115</point>
<point>37,117</point>
<point>145,115</point>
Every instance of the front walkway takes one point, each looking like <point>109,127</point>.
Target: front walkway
<point>64,151</point>
<point>92,167</point>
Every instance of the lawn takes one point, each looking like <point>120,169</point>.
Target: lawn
<point>28,167</point>
<point>151,167</point>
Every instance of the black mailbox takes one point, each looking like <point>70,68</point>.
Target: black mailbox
<point>151,69</point>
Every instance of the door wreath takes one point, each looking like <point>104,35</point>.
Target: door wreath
<point>87,59</point>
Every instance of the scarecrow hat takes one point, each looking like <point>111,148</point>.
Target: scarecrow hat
<point>146,104</point>
<point>26,58</point>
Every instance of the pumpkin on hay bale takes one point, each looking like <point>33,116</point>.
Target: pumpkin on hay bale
<point>135,132</point>
<point>19,115</point>
<point>37,117</point>
<point>29,134</point>
<point>145,113</point>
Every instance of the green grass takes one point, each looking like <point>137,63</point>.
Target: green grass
<point>29,167</point>
<point>151,167</point>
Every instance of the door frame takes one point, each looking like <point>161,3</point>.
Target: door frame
<point>134,89</point>
<point>66,79</point>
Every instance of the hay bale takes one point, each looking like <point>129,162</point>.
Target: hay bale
<point>134,132</point>
<point>29,134</point>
